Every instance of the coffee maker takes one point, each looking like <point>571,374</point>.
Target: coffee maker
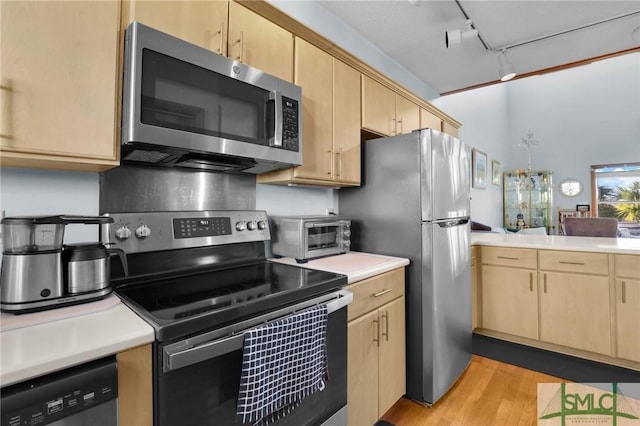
<point>39,272</point>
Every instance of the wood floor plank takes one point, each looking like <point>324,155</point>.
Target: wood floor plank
<point>488,393</point>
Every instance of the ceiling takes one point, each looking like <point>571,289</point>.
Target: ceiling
<point>412,32</point>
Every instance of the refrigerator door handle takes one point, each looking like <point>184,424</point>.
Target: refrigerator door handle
<point>451,222</point>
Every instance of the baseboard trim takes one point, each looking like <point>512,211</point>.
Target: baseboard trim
<point>555,364</point>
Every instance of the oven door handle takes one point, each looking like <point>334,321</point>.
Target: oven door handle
<point>183,354</point>
<point>325,224</point>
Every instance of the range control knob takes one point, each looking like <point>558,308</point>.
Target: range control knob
<point>123,232</point>
<point>251,225</point>
<point>142,232</point>
<point>262,224</point>
<point>240,226</point>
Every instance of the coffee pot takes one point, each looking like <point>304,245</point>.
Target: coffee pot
<point>39,272</point>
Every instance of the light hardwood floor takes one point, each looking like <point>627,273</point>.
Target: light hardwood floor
<point>489,393</point>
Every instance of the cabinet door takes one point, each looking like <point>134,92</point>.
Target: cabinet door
<point>449,129</point>
<point>258,42</point>
<point>392,360</point>
<point>58,77</point>
<point>628,318</point>
<point>407,116</point>
<point>362,353</point>
<point>314,73</point>
<point>346,123</point>
<point>574,311</point>
<point>378,107</point>
<point>428,120</point>
<point>203,23</point>
<point>509,301</point>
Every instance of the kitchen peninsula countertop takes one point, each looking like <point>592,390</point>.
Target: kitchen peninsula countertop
<point>40,343</point>
<point>558,242</point>
<point>356,266</point>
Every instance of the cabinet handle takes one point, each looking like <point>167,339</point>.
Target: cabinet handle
<point>624,292</point>
<point>531,281</point>
<point>377,339</point>
<point>330,172</point>
<point>508,258</point>
<point>401,129</point>
<point>380,293</point>
<point>572,263</point>
<point>220,31</point>
<point>240,42</point>
<point>545,283</point>
<point>394,126</point>
<point>5,118</point>
<point>386,325</point>
<point>339,154</point>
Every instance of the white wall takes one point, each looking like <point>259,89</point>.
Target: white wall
<point>27,192</point>
<point>581,117</point>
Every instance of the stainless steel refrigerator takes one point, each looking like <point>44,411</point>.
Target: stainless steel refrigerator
<point>414,203</point>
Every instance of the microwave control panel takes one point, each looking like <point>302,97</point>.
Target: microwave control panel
<point>290,120</point>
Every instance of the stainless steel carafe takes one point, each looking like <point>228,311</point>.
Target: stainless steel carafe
<point>87,268</point>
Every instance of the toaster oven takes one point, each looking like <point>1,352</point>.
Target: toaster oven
<point>307,237</point>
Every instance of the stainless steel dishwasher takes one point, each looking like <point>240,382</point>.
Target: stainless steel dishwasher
<point>78,396</point>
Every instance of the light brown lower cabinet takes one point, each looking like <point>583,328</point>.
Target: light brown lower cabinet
<point>574,311</point>
<point>585,304</point>
<point>376,347</point>
<point>135,387</point>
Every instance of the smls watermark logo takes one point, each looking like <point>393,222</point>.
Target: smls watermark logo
<point>616,404</point>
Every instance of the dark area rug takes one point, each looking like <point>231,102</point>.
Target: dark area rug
<point>559,365</point>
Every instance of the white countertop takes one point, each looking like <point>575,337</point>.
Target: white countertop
<point>31,346</point>
<point>558,242</point>
<point>355,265</point>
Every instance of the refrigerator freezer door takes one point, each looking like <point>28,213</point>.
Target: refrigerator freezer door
<point>446,315</point>
<point>445,176</point>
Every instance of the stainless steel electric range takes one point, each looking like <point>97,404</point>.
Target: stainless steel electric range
<point>201,279</point>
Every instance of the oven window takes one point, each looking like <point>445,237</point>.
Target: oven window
<point>206,393</point>
<point>183,96</point>
<point>323,237</point>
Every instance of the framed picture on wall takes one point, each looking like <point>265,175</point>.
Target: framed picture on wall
<point>479,169</point>
<point>495,172</point>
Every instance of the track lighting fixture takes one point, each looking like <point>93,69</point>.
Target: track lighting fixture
<point>455,37</point>
<point>505,68</point>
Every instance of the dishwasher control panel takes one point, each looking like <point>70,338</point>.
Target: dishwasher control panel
<point>88,392</point>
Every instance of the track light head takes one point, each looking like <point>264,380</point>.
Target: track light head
<point>456,37</point>
<point>505,68</point>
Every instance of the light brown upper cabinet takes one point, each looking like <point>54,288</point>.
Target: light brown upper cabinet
<point>58,84</point>
<point>203,23</point>
<point>258,42</point>
<point>386,112</point>
<point>432,121</point>
<point>330,121</point>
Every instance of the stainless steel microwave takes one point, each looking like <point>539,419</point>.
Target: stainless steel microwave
<point>307,237</point>
<point>186,106</point>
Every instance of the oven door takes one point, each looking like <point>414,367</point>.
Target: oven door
<point>326,238</point>
<point>198,379</point>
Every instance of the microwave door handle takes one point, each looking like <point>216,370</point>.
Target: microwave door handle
<point>276,139</point>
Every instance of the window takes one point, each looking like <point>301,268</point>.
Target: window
<point>616,193</point>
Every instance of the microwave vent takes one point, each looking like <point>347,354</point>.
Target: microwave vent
<point>146,156</point>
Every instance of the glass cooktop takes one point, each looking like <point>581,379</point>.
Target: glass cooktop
<point>194,302</point>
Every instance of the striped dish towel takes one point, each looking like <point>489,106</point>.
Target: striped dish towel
<point>283,362</point>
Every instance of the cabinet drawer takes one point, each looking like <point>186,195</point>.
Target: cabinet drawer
<point>574,261</point>
<point>509,256</point>
<point>374,292</point>
<point>627,265</point>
